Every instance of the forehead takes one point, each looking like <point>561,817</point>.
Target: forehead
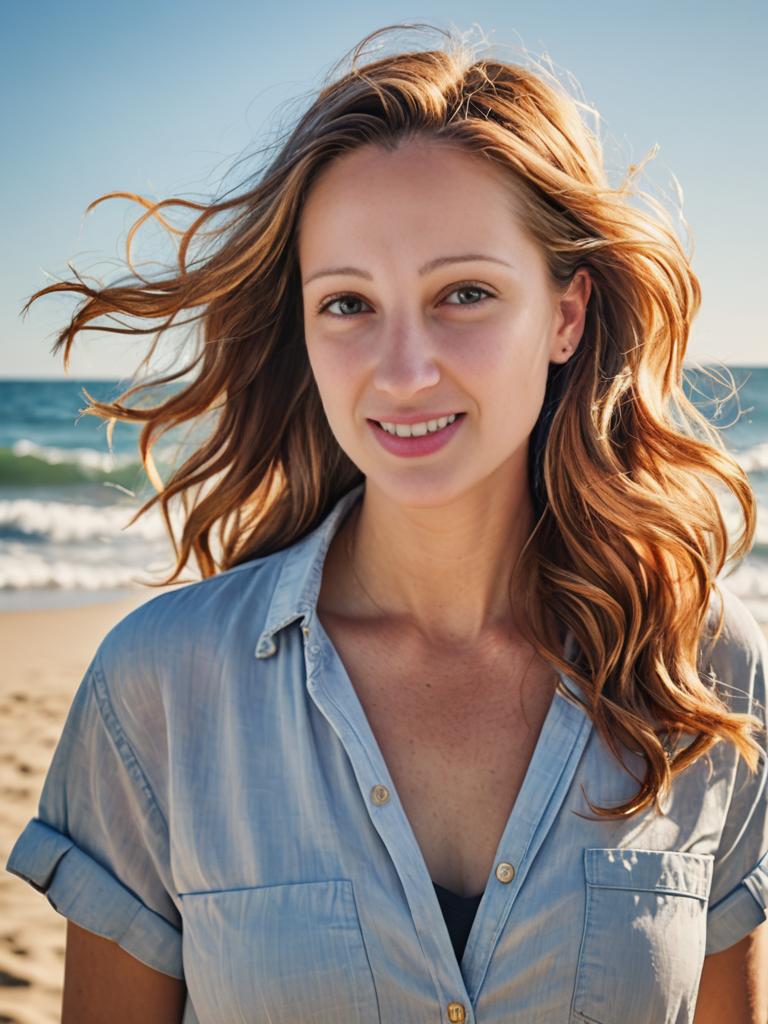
<point>423,195</point>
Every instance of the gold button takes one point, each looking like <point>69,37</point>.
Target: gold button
<point>456,1013</point>
<point>505,872</point>
<point>379,794</point>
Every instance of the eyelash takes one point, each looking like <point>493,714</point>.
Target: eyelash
<point>466,286</point>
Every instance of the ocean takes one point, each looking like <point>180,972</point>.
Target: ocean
<point>66,497</point>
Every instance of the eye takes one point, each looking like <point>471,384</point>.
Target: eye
<point>347,297</point>
<point>469,288</point>
<point>344,297</point>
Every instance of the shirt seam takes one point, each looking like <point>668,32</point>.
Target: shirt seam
<point>365,947</point>
<point>119,737</point>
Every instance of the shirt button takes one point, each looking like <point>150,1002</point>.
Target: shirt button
<point>505,872</point>
<point>456,1013</point>
<point>379,794</point>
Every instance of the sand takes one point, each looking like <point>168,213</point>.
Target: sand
<point>44,656</point>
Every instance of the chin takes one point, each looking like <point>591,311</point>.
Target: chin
<point>421,487</point>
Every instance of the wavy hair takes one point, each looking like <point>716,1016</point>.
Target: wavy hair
<point>628,536</point>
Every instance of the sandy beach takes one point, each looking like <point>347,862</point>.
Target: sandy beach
<point>45,654</point>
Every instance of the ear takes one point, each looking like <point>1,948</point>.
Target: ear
<point>570,314</point>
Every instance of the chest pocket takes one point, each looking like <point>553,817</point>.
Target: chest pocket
<point>642,948</point>
<point>277,954</point>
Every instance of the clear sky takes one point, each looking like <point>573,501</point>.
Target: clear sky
<point>162,97</point>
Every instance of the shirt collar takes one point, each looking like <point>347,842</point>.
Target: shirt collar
<point>298,579</point>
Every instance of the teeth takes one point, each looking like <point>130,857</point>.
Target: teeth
<point>417,429</point>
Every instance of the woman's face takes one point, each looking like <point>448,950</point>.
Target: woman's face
<point>424,297</point>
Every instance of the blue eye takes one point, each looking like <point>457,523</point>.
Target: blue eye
<point>469,288</point>
<point>348,296</point>
<point>339,298</point>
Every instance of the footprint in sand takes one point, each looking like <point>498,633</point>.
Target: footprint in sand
<point>11,981</point>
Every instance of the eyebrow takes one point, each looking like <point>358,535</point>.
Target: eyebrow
<point>441,261</point>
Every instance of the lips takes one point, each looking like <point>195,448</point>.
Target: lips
<point>423,444</point>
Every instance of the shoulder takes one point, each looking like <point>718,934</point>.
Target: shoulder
<point>737,661</point>
<point>177,640</point>
<point>195,613</point>
<point>741,630</point>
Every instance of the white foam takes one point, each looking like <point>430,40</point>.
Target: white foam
<point>734,520</point>
<point>85,458</point>
<point>62,522</point>
<point>750,583</point>
<point>34,572</point>
<point>755,459</point>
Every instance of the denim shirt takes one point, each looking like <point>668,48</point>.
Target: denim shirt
<point>218,805</point>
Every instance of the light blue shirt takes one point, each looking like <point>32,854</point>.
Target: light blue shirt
<point>218,805</point>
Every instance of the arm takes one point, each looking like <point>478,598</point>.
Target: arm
<point>734,983</point>
<point>103,982</point>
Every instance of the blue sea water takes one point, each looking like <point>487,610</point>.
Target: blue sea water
<point>66,496</point>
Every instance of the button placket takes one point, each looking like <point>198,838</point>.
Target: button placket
<point>333,693</point>
<point>550,773</point>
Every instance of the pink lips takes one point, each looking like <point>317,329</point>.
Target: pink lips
<point>414,446</point>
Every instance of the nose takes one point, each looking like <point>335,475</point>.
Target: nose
<point>406,364</point>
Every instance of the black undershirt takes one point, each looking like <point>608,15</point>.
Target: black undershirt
<point>459,913</point>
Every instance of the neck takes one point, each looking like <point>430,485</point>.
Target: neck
<point>444,571</point>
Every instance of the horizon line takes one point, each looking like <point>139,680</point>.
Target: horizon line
<point>21,379</point>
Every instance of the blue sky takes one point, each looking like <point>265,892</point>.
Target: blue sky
<point>161,98</point>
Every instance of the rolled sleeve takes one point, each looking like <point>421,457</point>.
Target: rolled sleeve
<point>740,912</point>
<point>738,900</point>
<point>99,846</point>
<point>82,890</point>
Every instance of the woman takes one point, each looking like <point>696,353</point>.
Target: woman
<point>436,738</point>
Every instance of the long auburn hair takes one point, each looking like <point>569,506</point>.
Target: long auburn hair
<point>628,536</point>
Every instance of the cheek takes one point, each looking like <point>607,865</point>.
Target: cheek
<point>336,376</point>
<point>507,376</point>
<point>505,342</point>
<point>486,363</point>
<point>329,366</point>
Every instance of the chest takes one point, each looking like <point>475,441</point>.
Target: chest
<point>457,731</point>
<point>301,900</point>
